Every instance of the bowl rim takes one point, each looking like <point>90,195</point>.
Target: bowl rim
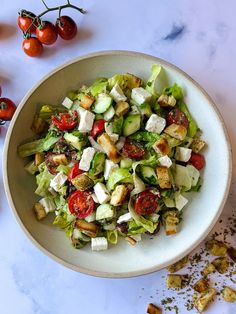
<point>104,274</point>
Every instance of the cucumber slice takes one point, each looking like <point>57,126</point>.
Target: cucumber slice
<point>126,163</point>
<point>117,125</point>
<point>98,164</point>
<point>131,124</point>
<point>73,140</point>
<point>109,114</point>
<point>102,103</point>
<point>149,175</point>
<point>104,211</point>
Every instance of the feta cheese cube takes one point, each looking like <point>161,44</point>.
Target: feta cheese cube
<point>183,154</point>
<point>67,102</point>
<point>109,114</point>
<point>155,124</point>
<point>120,144</point>
<point>86,120</point>
<point>109,130</point>
<point>76,233</point>
<point>180,201</point>
<point>95,198</point>
<point>91,217</point>
<point>140,95</point>
<point>86,158</point>
<point>99,244</point>
<point>117,93</point>
<point>165,161</point>
<point>109,166</point>
<point>47,204</point>
<point>124,218</point>
<point>58,181</point>
<point>101,192</point>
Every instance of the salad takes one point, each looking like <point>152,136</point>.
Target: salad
<point>115,160</point>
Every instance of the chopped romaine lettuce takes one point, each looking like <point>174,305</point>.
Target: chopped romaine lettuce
<point>192,128</point>
<point>150,86</point>
<point>175,91</point>
<point>119,175</point>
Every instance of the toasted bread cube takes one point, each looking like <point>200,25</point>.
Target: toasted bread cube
<point>166,101</point>
<point>38,158</point>
<point>118,195</point>
<point>208,269</point>
<point>201,285</point>
<point>229,294</point>
<point>131,240</point>
<point>171,222</point>
<point>161,147</point>
<point>232,253</point>
<point>109,148</point>
<point>86,101</point>
<point>174,281</point>
<point>89,228</point>
<point>163,177</point>
<point>204,299</point>
<point>178,265</point>
<point>39,211</point>
<point>133,81</point>
<point>60,159</point>
<point>197,145</point>
<point>153,309</point>
<point>121,108</point>
<point>221,264</point>
<point>177,131</point>
<point>216,248</point>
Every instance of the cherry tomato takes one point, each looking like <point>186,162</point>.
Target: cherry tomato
<point>81,204</point>
<point>25,19</point>
<point>197,160</point>
<point>131,150</point>
<point>66,121</point>
<point>7,109</point>
<point>146,203</point>
<point>74,172</point>
<point>46,33</point>
<point>178,117</point>
<point>98,127</point>
<point>66,27</point>
<point>32,47</point>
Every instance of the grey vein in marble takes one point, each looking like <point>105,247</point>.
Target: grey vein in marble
<point>176,32</point>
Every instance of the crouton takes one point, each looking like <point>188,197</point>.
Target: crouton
<point>109,148</point>
<point>131,240</point>
<point>204,299</point>
<point>39,211</point>
<point>162,147</point>
<point>177,131</point>
<point>118,195</point>
<point>174,281</point>
<point>38,158</point>
<point>232,253</point>
<point>208,269</point>
<point>216,248</point>
<point>153,309</point>
<point>133,81</point>
<point>178,265</point>
<point>201,285</point>
<point>197,145</point>
<point>170,221</point>
<point>60,159</point>
<point>221,264</point>
<point>166,101</point>
<point>86,101</point>
<point>229,294</point>
<point>89,228</point>
<point>163,177</point>
<point>121,108</point>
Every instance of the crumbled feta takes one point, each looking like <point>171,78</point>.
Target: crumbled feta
<point>124,218</point>
<point>101,192</point>
<point>99,244</point>
<point>117,93</point>
<point>58,181</point>
<point>67,102</point>
<point>140,95</point>
<point>86,158</point>
<point>155,124</point>
<point>47,204</point>
<point>109,166</point>
<point>165,161</point>
<point>86,120</point>
<point>183,154</point>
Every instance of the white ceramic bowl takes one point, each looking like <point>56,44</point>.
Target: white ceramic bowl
<point>122,260</point>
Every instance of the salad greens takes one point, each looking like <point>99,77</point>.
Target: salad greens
<point>116,160</point>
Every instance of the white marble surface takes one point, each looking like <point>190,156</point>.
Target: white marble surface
<point>199,37</point>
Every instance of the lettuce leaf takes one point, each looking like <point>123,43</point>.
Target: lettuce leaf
<point>112,236</point>
<point>193,127</point>
<point>43,182</point>
<point>175,91</point>
<point>99,86</point>
<point>150,86</point>
<point>119,175</point>
<point>145,136</point>
<point>134,228</point>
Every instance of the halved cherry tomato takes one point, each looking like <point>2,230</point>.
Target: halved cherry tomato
<point>32,47</point>
<point>25,19</point>
<point>197,160</point>
<point>81,204</point>
<point>66,27</point>
<point>74,172</point>
<point>132,150</point>
<point>98,127</point>
<point>66,121</point>
<point>146,203</point>
<point>46,33</point>
<point>7,109</point>
<point>178,117</point>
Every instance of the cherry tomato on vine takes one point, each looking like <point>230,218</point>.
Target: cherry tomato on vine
<point>146,203</point>
<point>46,33</point>
<point>7,109</point>
<point>66,121</point>
<point>81,203</point>
<point>25,19</point>
<point>66,27</point>
<point>32,47</point>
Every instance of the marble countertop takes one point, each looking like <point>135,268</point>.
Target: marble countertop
<point>197,36</point>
